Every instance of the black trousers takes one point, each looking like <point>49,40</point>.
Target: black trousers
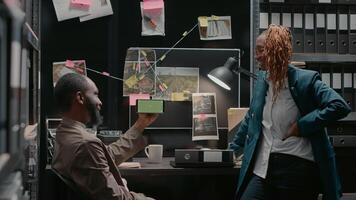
<point>288,177</point>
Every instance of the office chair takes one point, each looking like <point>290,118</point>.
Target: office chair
<point>68,190</point>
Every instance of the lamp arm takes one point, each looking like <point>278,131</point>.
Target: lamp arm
<point>244,71</point>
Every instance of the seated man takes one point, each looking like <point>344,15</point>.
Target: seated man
<point>80,155</point>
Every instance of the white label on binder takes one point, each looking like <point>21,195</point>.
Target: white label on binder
<point>276,1</point>
<point>337,80</point>
<point>353,22</point>
<point>325,77</point>
<point>212,156</point>
<point>298,20</point>
<point>309,21</point>
<point>320,20</point>
<point>343,22</point>
<point>347,80</point>
<point>287,19</point>
<point>324,1</point>
<point>331,21</point>
<point>276,19</point>
<point>354,80</point>
<point>264,20</point>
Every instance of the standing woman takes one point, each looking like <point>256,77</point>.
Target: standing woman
<point>287,153</point>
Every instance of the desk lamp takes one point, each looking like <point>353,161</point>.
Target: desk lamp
<point>223,75</point>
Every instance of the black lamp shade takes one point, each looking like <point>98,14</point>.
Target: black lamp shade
<point>223,76</point>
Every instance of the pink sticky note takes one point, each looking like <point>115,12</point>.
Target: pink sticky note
<point>161,87</point>
<point>80,4</point>
<point>202,117</point>
<point>69,64</point>
<point>147,63</point>
<point>153,5</point>
<point>105,73</point>
<point>134,97</point>
<point>138,67</point>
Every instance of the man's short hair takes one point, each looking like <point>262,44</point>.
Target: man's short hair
<point>66,88</point>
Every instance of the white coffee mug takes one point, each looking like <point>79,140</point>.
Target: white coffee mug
<point>154,152</point>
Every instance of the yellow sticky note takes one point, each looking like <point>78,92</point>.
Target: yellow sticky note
<point>141,76</point>
<point>203,21</point>
<point>133,65</point>
<point>178,96</point>
<point>214,17</point>
<point>144,53</point>
<point>164,85</point>
<point>130,82</point>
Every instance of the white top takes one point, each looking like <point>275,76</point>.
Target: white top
<point>278,116</point>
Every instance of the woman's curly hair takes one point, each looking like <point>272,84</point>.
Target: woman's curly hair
<point>277,53</point>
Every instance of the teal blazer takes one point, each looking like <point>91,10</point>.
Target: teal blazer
<point>318,105</point>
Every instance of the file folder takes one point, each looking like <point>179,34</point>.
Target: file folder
<point>298,32</point>
<point>343,34</point>
<point>320,44</point>
<point>309,41</point>
<point>352,36</point>
<point>331,40</point>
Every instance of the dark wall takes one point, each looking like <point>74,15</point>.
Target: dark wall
<point>103,42</point>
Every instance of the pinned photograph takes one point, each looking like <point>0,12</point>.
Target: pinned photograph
<point>205,124</point>
<point>204,103</point>
<point>69,66</point>
<point>178,83</point>
<point>215,27</point>
<point>205,127</point>
<point>139,72</point>
<point>152,13</point>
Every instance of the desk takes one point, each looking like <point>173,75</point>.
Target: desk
<point>164,182</point>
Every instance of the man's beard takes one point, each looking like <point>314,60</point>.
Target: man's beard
<point>95,118</point>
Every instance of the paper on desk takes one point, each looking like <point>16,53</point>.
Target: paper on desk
<point>99,8</point>
<point>64,11</point>
<point>130,165</point>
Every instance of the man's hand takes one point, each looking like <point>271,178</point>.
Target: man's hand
<point>292,131</point>
<point>145,120</point>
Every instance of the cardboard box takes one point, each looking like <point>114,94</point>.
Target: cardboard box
<point>235,116</point>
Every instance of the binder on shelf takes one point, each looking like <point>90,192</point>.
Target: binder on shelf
<point>298,32</point>
<point>287,16</point>
<point>343,31</point>
<point>354,91</point>
<point>320,43</point>
<point>309,40</point>
<point>352,35</point>
<point>348,88</point>
<point>347,2</point>
<point>276,1</point>
<point>336,80</point>
<point>275,15</point>
<point>331,39</point>
<point>326,75</point>
<point>263,17</point>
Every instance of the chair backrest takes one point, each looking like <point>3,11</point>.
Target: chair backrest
<point>72,192</point>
